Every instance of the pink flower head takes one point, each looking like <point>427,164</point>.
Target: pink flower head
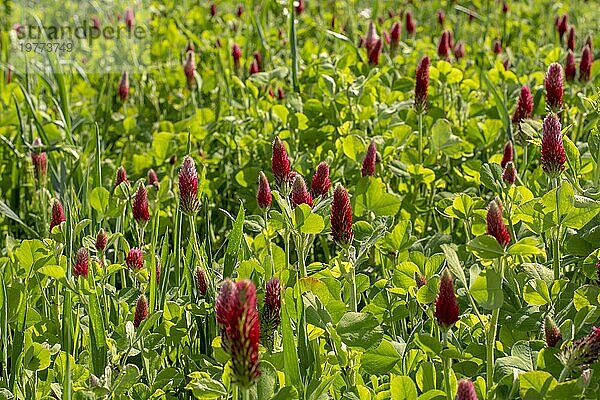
<point>372,37</point>
<point>444,46</point>
<point>368,164</point>
<point>124,86</point>
<point>135,259</point>
<point>236,54</point>
<point>280,162</point>
<point>300,194</point>
<point>510,173</point>
<point>237,316</point>
<point>466,390</point>
<point>551,332</point>
<point>410,23</point>
<point>505,7</point>
<point>141,310</point>
<point>139,207</point>
<point>201,281</point>
<point>375,52</point>
<point>263,195</point>
<point>524,106</point>
<point>320,181</point>
<point>446,306</point>
<point>300,7</point>
<point>421,85</point>
<point>189,68</point>
<point>508,154</point>
<point>82,263</point>
<point>58,214</point>
<point>563,25</point>
<point>341,216</point>
<point>188,187</point>
<point>395,35</point>
<point>585,66</point>
<point>152,178</point>
<point>101,240</point>
<point>554,86</point>
<point>570,68</point>
<point>497,47</point>
<point>495,224</point>
<point>271,314</point>
<point>459,50</point>
<point>254,69</point>
<point>571,39</point>
<point>129,18</point>
<point>121,176</point>
<point>441,16</point>
<point>553,152</point>
<point>40,161</point>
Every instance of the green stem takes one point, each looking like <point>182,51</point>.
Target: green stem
<point>353,298</point>
<point>491,338</point>
<point>270,273</point>
<point>293,45</point>
<point>564,373</point>
<point>556,253</point>
<point>447,367</point>
<point>420,120</point>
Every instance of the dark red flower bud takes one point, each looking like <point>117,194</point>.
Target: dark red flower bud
<point>258,58</point>
<point>254,68</point>
<point>58,214</point>
<point>553,152</point>
<point>570,68</point>
<point>213,10</point>
<point>563,25</point>
<point>510,173</point>
<point>395,35</point>
<point>495,224</point>
<point>375,52</point>
<point>237,316</point>
<point>139,207</point>
<point>82,263</point>
<point>240,11</point>
<point>524,106</point>
<point>271,92</point>
<point>135,259</point>
<point>188,187</point>
<point>173,159</point>
<point>280,93</point>
<point>506,64</point>
<point>466,390</point>
<point>101,240</point>
<point>386,37</point>
<point>201,281</point>
<point>583,352</point>
<point>551,332</point>
<point>300,193</point>
<point>121,176</point>
<point>420,279</point>
<point>497,47</point>
<point>300,7</point>
<point>40,161</point>
<point>421,85</point>
<point>271,314</point>
<point>320,181</point>
<point>124,86</point>
<point>341,216</point>
<point>444,46</point>
<point>450,39</point>
<point>441,16</point>
<point>585,66</point>
<point>370,40</point>
<point>263,195</point>
<point>459,50</point>
<point>554,86</point>
<point>368,164</point>
<point>129,18</point>
<point>505,7</point>
<point>189,68</point>
<point>280,162</point>
<point>410,23</point>
<point>141,310</point>
<point>446,306</point>
<point>508,154</point>
<point>571,39</point>
<point>236,54</point>
<point>153,178</point>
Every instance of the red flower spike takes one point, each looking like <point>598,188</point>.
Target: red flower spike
<point>213,10</point>
<point>141,310</point>
<point>371,38</point>
<point>495,224</point>
<point>553,152</point>
<point>570,68</point>
<point>40,161</point>
<point>254,69</point>
<point>466,390</point>
<point>135,259</point>
<point>58,214</point>
<point>524,106</point>
<point>551,332</point>
<point>585,66</point>
<point>139,208</point>
<point>237,315</point>
<point>563,25</point>
<point>387,37</point>
<point>368,164</point>
<point>101,240</point>
<point>153,178</point>
<point>121,176</point>
<point>189,68</point>
<point>82,263</point>
<point>444,46</point>
<point>201,281</point>
<point>341,216</point>
<point>571,39</point>
<point>188,187</point>
<point>129,18</point>
<point>497,47</point>
<point>240,11</point>
<point>300,193</point>
<point>375,52</point>
<point>459,50</point>
<point>280,93</point>
<point>271,315</point>
<point>236,54</point>
<point>411,26</point>
<point>421,85</point>
<point>441,17</point>
<point>505,7</point>
<point>508,154</point>
<point>258,57</point>
<point>395,35</point>
<point>263,194</point>
<point>553,83</point>
<point>510,173</point>
<point>280,162</point>
<point>124,86</point>
<point>446,306</point>
<point>300,7</point>
<point>320,181</point>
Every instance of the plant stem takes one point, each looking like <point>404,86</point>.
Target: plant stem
<point>564,373</point>
<point>353,299</point>
<point>491,337</point>
<point>447,367</point>
<point>420,120</point>
<point>556,252</point>
<point>293,45</point>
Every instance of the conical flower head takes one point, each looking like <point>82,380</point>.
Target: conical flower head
<point>135,259</point>
<point>139,208</point>
<point>368,164</point>
<point>129,18</point>
<point>280,93</point>
<point>271,313</point>
<point>58,214</point>
<point>524,106</point>
<point>466,390</point>
<point>583,352</point>
<point>263,194</point>
<point>213,10</point>
<point>372,37</point>
<point>510,173</point>
<point>299,194</point>
<point>411,25</point>
<point>188,187</point>
<point>421,85</point>
<point>101,240</point>
<point>201,281</point>
<point>553,83</point>
<point>40,161</point>
<point>441,17</point>
<point>395,35</point>
<point>553,152</point>
<point>497,47</point>
<point>121,176</point>
<point>551,332</point>
<point>446,306</point>
<point>508,154</point>
<point>189,68</point>
<point>505,7</point>
<point>280,162</point>
<point>82,263</point>
<point>153,178</point>
<point>495,224</point>
<point>562,26</point>
<point>141,310</point>
<point>585,66</point>
<point>459,50</point>
<point>300,7</point>
<point>375,52</point>
<point>240,11</point>
<point>341,216</point>
<point>570,68</point>
<point>254,69</point>
<point>444,46</point>
<point>320,181</point>
<point>237,316</point>
<point>124,86</point>
<point>571,39</point>
<point>236,54</point>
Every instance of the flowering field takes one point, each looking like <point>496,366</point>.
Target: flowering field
<point>300,200</point>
